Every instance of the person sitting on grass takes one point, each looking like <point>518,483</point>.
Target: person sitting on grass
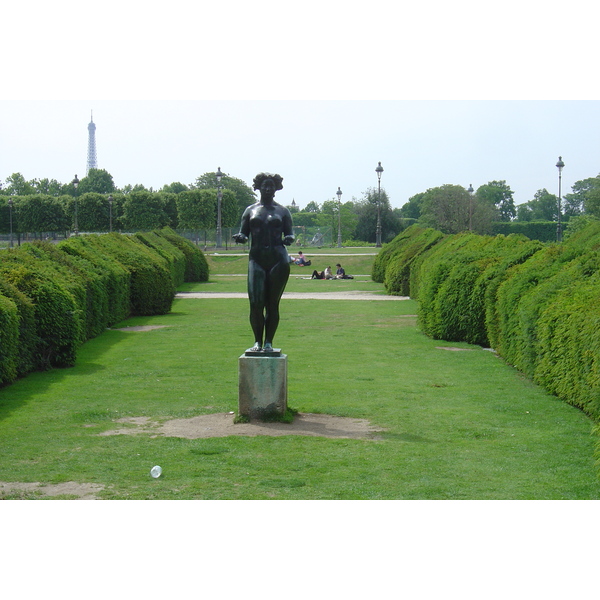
<point>326,274</point>
<point>341,274</point>
<point>301,261</point>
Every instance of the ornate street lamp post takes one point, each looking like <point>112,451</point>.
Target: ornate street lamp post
<point>75,183</point>
<point>10,205</point>
<point>379,171</point>
<point>110,203</point>
<point>219,200</point>
<point>470,190</point>
<point>560,164</point>
<point>339,195</point>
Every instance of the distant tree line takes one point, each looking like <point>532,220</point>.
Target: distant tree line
<point>491,208</point>
<point>41,206</point>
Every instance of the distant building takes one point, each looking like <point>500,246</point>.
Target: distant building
<point>92,162</point>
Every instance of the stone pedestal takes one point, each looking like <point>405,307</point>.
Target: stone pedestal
<point>262,385</point>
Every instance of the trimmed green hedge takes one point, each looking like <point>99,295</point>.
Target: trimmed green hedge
<point>537,304</point>
<point>393,263</point>
<point>174,257</point>
<point>57,318</point>
<point>196,265</point>
<point>152,287</point>
<point>114,277</point>
<point>544,231</point>
<point>55,297</point>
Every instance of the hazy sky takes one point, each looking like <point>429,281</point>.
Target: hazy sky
<point>315,145</point>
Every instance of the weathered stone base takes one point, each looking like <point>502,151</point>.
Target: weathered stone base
<point>262,386</point>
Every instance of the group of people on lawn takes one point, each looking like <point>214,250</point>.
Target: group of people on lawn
<point>326,274</point>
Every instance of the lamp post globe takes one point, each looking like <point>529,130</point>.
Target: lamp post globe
<point>559,165</point>
<point>339,195</point>
<point>219,200</point>
<point>379,171</point>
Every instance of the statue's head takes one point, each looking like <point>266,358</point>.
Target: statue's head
<point>262,177</point>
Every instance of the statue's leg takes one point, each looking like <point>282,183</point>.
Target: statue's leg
<point>257,279</point>
<point>277,280</point>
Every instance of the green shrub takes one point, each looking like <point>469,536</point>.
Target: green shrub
<point>456,280</point>
<point>54,297</point>
<point>174,257</point>
<point>393,264</point>
<point>9,340</point>
<point>196,266</point>
<point>152,288</point>
<point>114,277</point>
<point>568,361</point>
<point>58,325</point>
<point>78,277</point>
<point>543,231</point>
<point>537,304</point>
<point>27,336</point>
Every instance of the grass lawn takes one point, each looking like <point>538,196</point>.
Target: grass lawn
<point>356,261</point>
<point>459,424</point>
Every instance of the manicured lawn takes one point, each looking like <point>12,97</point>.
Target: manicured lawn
<point>356,261</point>
<point>459,424</point>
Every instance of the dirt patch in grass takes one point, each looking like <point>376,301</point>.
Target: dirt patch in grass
<point>454,349</point>
<point>222,425</point>
<point>28,491</point>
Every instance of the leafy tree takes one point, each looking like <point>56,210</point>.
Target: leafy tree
<point>451,209</point>
<point>244,195</point>
<point>97,181</point>
<point>293,208</point>
<point>591,203</point>
<point>50,187</point>
<point>230,215</point>
<point>143,210</point>
<point>138,187</point>
<point>412,209</point>
<point>312,207</point>
<point>366,213</point>
<point>197,209</point>
<point>169,200</point>
<point>174,188</point>
<point>577,223</point>
<point>18,186</point>
<point>543,207</point>
<point>93,212</point>
<point>39,213</point>
<point>329,215</point>
<point>498,194</point>
<point>305,219</point>
<point>583,198</point>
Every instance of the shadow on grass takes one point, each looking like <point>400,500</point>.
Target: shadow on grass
<point>16,395</point>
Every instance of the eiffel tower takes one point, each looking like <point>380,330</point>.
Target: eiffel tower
<point>91,155</point>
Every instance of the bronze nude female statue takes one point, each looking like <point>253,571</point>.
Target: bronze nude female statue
<point>269,227</point>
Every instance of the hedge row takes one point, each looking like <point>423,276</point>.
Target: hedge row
<point>536,304</point>
<point>54,297</point>
<point>545,231</point>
